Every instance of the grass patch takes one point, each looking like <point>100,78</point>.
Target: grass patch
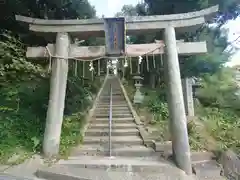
<point>198,137</point>
<point>20,133</point>
<point>222,125</point>
<point>72,134</point>
<point>22,125</point>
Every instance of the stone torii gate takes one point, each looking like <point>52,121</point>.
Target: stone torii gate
<point>64,49</point>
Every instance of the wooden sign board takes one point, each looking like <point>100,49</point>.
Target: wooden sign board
<point>115,36</point>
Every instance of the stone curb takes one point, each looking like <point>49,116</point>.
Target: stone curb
<point>146,140</point>
<point>136,117</point>
<point>91,111</point>
<point>143,133</point>
<point>231,164</point>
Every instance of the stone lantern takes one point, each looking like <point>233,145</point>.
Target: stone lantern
<point>138,97</point>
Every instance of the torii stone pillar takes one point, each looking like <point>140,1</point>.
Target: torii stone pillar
<point>57,96</point>
<point>178,124</point>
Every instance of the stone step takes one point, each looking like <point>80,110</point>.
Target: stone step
<point>120,104</point>
<point>7,176</point>
<point>107,105</point>
<point>116,105</point>
<point>207,170</point>
<point>114,120</point>
<point>62,172</point>
<point>166,149</point>
<point>202,157</point>
<point>119,93</point>
<point>113,115</point>
<point>114,126</point>
<point>124,140</point>
<point>117,150</point>
<point>115,132</point>
<point>134,164</point>
<point>113,96</point>
<point>113,101</point>
<point>114,108</point>
<point>104,107</point>
<point>106,121</point>
<point>114,111</point>
<point>107,101</point>
<point>117,115</point>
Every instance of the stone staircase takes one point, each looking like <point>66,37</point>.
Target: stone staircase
<point>125,137</point>
<point>130,160</point>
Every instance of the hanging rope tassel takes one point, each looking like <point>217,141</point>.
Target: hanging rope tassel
<point>99,67</point>
<point>123,68</point>
<point>139,64</point>
<point>50,64</point>
<point>50,59</point>
<point>161,60</point>
<point>147,63</point>
<point>83,69</point>
<point>163,46</point>
<point>130,59</point>
<point>75,73</point>
<point>125,62</point>
<point>91,69</point>
<point>154,62</point>
<point>92,75</point>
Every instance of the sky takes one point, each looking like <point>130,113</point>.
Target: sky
<point>234,33</point>
<point>109,8</point>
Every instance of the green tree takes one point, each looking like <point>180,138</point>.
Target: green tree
<point>217,42</point>
<point>45,9</point>
<point>128,10</point>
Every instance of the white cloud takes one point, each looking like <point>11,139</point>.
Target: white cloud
<point>113,7</point>
<point>233,36</point>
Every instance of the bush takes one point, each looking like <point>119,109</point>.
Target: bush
<point>219,90</point>
<point>159,108</point>
<point>224,126</point>
<point>220,108</point>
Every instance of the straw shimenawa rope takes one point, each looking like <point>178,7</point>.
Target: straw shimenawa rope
<point>91,60</point>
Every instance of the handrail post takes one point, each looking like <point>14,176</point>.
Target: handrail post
<point>110,122</point>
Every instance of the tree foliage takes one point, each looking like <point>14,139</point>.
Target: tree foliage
<point>216,41</point>
<point>44,9</point>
